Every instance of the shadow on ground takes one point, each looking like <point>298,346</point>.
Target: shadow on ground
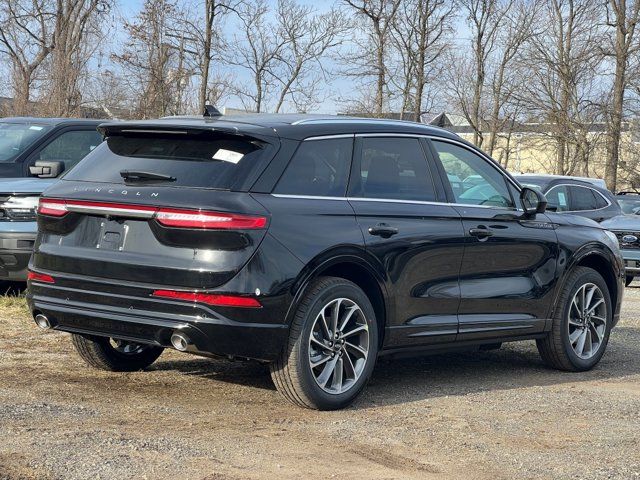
<point>515,365</point>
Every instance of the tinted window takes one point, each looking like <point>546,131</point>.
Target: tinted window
<point>71,147</point>
<point>205,160</point>
<point>600,200</point>
<point>481,183</point>
<point>558,198</point>
<point>582,198</point>
<point>629,205</point>
<point>15,138</point>
<point>319,168</point>
<point>393,168</point>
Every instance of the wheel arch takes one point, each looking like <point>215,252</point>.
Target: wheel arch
<point>602,262</point>
<point>356,268</point>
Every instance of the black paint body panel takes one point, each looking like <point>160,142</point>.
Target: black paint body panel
<point>440,287</point>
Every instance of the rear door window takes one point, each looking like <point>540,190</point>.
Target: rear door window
<point>582,199</point>
<point>318,168</point>
<point>601,202</point>
<point>206,160</point>
<point>393,168</point>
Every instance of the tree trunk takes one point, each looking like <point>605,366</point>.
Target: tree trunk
<point>615,127</point>
<point>206,60</point>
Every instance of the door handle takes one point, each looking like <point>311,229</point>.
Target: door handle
<point>383,230</point>
<point>480,233</point>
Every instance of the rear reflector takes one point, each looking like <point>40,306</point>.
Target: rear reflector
<point>216,300</point>
<point>169,217</point>
<point>40,277</point>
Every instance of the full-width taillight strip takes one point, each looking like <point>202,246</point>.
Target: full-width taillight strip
<point>210,299</point>
<point>169,217</point>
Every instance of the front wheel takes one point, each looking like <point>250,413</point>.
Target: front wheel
<point>581,324</point>
<point>332,347</point>
<point>113,354</point>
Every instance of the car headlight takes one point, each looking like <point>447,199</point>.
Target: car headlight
<point>20,208</point>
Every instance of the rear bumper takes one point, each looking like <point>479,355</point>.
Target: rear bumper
<point>15,251</point>
<point>153,321</point>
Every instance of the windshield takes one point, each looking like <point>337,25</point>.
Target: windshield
<point>629,206</point>
<point>15,138</point>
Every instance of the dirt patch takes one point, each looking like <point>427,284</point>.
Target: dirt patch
<point>480,415</point>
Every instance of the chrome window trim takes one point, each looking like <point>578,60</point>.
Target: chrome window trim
<point>307,197</point>
<point>386,200</point>
<point>488,159</point>
<point>581,186</point>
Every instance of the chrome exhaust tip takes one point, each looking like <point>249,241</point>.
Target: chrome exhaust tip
<point>42,321</point>
<point>180,341</point>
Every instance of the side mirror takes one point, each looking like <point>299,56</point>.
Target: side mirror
<point>44,169</point>
<point>532,201</point>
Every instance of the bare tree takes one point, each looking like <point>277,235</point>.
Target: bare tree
<point>203,36</point>
<point>484,18</point>
<point>505,77</point>
<point>77,23</point>
<point>370,60</point>
<point>26,39</point>
<point>622,16</point>
<point>420,34</point>
<point>151,61</point>
<point>307,38</point>
<point>561,69</point>
<point>257,48</point>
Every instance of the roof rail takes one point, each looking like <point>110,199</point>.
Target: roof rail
<point>359,120</point>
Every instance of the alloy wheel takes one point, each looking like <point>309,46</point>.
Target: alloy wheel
<point>338,345</point>
<point>587,323</point>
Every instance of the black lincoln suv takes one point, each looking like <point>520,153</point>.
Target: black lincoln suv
<point>314,244</point>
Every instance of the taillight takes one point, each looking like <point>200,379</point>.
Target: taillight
<point>210,299</point>
<point>51,207</point>
<point>170,217</point>
<point>40,277</point>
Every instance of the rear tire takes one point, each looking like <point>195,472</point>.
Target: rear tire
<point>114,355</point>
<point>628,280</point>
<point>578,341</point>
<point>332,347</point>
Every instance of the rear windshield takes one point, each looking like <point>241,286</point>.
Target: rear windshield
<point>15,138</point>
<point>206,160</point>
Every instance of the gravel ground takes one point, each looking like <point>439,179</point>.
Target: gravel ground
<point>482,415</point>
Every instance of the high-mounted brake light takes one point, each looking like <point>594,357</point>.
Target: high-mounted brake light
<point>52,207</point>
<point>196,219</point>
<point>40,277</point>
<point>210,299</point>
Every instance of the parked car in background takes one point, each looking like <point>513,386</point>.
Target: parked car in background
<point>627,229</point>
<point>313,244</point>
<point>38,150</point>
<point>598,182</point>
<point>629,202</point>
<point>576,196</point>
